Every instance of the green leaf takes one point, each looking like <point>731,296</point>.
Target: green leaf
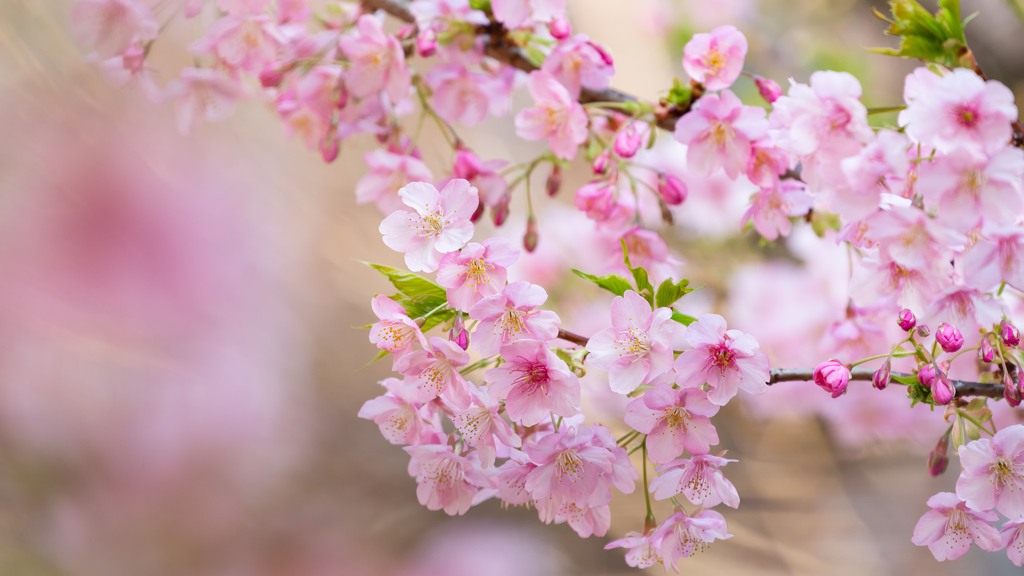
<point>534,55</point>
<point>680,94</point>
<point>484,5</point>
<point>408,283</point>
<point>643,282</point>
<point>906,380</point>
<point>379,355</point>
<point>822,221</point>
<point>683,318</point>
<point>669,292</point>
<point>611,282</point>
<point>639,390</point>
<point>937,38</point>
<point>975,404</point>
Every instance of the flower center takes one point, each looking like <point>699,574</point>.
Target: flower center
<point>395,334</point>
<point>1006,473</point>
<point>973,182</point>
<point>512,322</point>
<point>958,526</point>
<point>634,342</point>
<point>714,60</point>
<point>967,116</point>
<point>720,356</point>
<point>677,417</point>
<point>699,484</point>
<point>569,464</point>
<point>477,273</point>
<point>533,376</point>
<point>446,474</point>
<point>435,222</point>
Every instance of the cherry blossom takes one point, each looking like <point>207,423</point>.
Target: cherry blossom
<point>534,383</point>
<point>911,239</point>
<point>767,162</point>
<point>484,175</point>
<point>461,95</point>
<point>682,535</point>
<point>446,481</point>
<point>395,332</point>
<point>556,116</point>
<point>727,360</point>
<point>715,59</point>
<point>993,475</point>
<point>997,257</point>
<point>439,224</point>
<point>433,372</point>
<point>511,478</point>
<point>718,131</point>
<point>1012,536</point>
<point>249,43</point>
<point>970,187</point>
<point>579,63</point>
<point>637,348</point>
<point>512,316</point>
<point>523,13</point>
<point>396,412</point>
<point>110,26</point>
<point>950,526</point>
<point>646,249</point>
<point>771,208</point>
<point>476,272</point>
<point>481,424</point>
<point>699,478</point>
<point>596,199</point>
<point>377,61</point>
<point>881,167</point>
<point>569,467</point>
<point>673,420</point>
<point>389,173</point>
<point>644,551</point>
<point>202,93</point>
<point>833,377</point>
<point>586,521</point>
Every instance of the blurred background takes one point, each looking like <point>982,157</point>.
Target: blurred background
<point>180,372</point>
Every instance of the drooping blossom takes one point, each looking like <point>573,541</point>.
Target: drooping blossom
<point>377,62</point>
<point>446,481</point>
<point>438,225</point>
<point>993,474</point>
<point>585,520</point>
<point>596,199</point>
<point>579,63</point>
<point>435,372</point>
<point>389,173</point>
<point>682,535</point>
<point>395,332</point>
<point>718,132</point>
<point>673,420</point>
<point>771,208</point>
<point>248,43</point>
<point>556,116</point>
<point>1012,538</point>
<point>623,475</point>
<point>644,551</point>
<point>959,107</point>
<point>699,478</point>
<point>461,95</point>
<point>200,93</point>
<point>637,348</point>
<point>308,108</point>
<point>523,13</point>
<point>481,424</point>
<point>484,175</point>
<point>110,26</point>
<point>534,382</point>
<point>476,272</point>
<point>569,467</point>
<point>727,360</point>
<point>950,526</point>
<point>130,70</point>
<point>997,257</point>
<point>512,316</point>
<point>396,412</point>
<point>715,59</point>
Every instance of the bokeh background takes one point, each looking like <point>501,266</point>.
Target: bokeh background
<point>180,368</point>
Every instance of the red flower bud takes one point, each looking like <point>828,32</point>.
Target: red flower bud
<point>554,181</point>
<point>906,319</point>
<point>880,379</point>
<point>672,189</point>
<point>1009,333</point>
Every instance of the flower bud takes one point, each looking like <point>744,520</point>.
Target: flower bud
<point>926,375</point>
<point>329,147</point>
<point>1009,333</point>
<point>458,333</point>
<point>271,76</point>
<point>560,28</point>
<point>832,376</point>
<point>943,390</point>
<point>342,97</point>
<point>478,213</point>
<point>923,330</point>
<point>880,379</point>
<point>949,337</point>
<point>628,141</point>
<point>426,42</point>
<point>605,56</point>
<point>530,238</point>
<point>768,88</point>
<point>499,210</point>
<point>938,458</point>
<point>906,319</point>
<point>600,163</point>
<point>554,181</point>
<point>672,189</point>
<point>986,353</point>
<point>1011,391</point>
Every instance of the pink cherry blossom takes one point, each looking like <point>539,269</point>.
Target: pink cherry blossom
<point>596,199</point>
<point>130,69</point>
<point>637,348</point>
<point>699,479</point>
<point>950,526</point>
<point>511,479</point>
<point>309,107</point>
<point>826,115</point>
<point>377,61</point>
<point>993,474</point>
<point>997,257</point>
<point>767,162</point>
<point>446,481</point>
<point>960,108</point>
<point>579,63</point>
<point>833,377</point>
<point>202,94</point>
<point>534,382</point>
<point>512,316</point>
<point>673,420</point>
<point>682,535</point>
<point>429,13</point>
<point>771,208</point>
<point>439,225</point>
<point>970,187</point>
<point>875,280</point>
<point>389,172</point>
<point>1012,538</point>
<point>963,306</point>
<point>880,167</point>
<point>249,43</point>
<point>623,475</point>
<point>396,412</point>
<point>110,26</point>
<point>556,116</point>
<point>911,239</point>
<point>569,467</point>
<point>718,131</point>
<point>481,424</point>
<point>715,59</point>
<point>727,360</point>
<point>476,272</point>
<point>644,551</point>
<point>434,372</point>
<point>395,332</point>
<point>461,95</point>
<point>585,520</point>
<point>524,13</point>
<point>484,175</point>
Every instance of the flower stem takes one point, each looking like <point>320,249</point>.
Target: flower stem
<point>647,493</point>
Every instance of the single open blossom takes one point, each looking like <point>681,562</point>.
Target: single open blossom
<point>1012,537</point>
<point>481,424</point>
<point>993,475</point>
<point>556,115</point>
<point>579,63</point>
<point>435,372</point>
<point>997,257</point>
<point>673,420</point>
<point>960,108</point>
<point>727,360</point>
<point>911,239</point>
<point>389,173</point>
<point>771,208</point>
<point>596,199</point>
<point>534,382</point>
<point>248,43</point>
<point>484,175</point>
<point>110,26</point>
<point>476,272</point>
<point>970,187</point>
<point>682,535</point>
<point>523,13</point>
<point>569,467</point>
<point>767,163</point>
<point>880,168</point>
<point>715,59</point>
<point>832,376</point>
<point>699,479</point>
<point>623,475</point>
<point>637,348</point>
<point>644,551</point>
<point>585,520</point>
<point>446,481</point>
<point>512,316</point>
<point>963,306</point>
<point>377,61</point>
<point>718,132</point>
<point>950,526</point>
<point>202,94</point>
<point>461,95</point>
<point>511,478</point>
<point>876,280</point>
<point>439,224</point>
<point>396,412</point>
<point>395,332</point>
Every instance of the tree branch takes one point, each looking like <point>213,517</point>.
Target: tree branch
<point>580,341</point>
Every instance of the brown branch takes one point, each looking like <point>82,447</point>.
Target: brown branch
<point>580,341</point>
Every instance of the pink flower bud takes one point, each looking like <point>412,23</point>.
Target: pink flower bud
<point>560,28</point>
<point>605,56</point>
<point>426,42</point>
<point>880,379</point>
<point>530,238</point>
<point>906,319</point>
<point>329,146</point>
<point>672,189</point>
<point>467,165</point>
<point>986,353</point>
<point>628,141</point>
<point>499,211</point>
<point>405,30</point>
<point>923,330</point>
<point>942,390</point>
<point>926,375</point>
<point>1011,391</point>
<point>832,376</point>
<point>554,181</point>
<point>1009,333</point>
<point>949,337</point>
<point>133,57</point>
<point>479,212</point>
<point>938,458</point>
<point>768,88</point>
<point>342,97</point>
<point>600,163</point>
<point>271,76</point>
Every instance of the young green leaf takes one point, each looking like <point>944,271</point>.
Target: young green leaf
<point>683,318</point>
<point>611,282</point>
<point>410,284</point>
<point>670,291</point>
